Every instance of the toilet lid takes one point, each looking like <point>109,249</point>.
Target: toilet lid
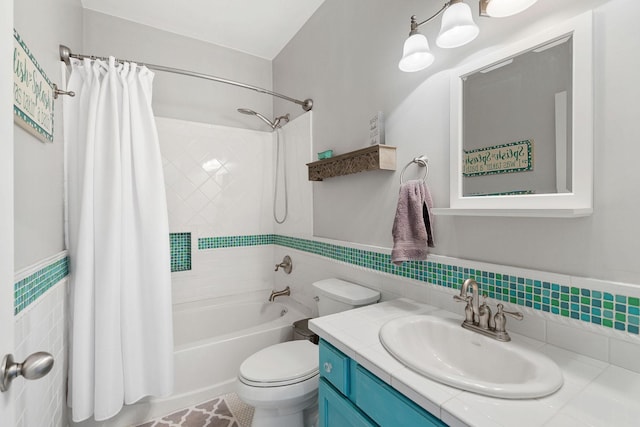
<point>281,364</point>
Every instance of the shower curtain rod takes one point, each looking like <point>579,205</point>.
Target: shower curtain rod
<point>66,55</point>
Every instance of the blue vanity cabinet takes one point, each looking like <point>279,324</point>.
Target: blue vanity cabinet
<point>351,396</point>
<point>337,411</point>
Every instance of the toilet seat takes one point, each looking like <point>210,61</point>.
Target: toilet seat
<point>280,365</point>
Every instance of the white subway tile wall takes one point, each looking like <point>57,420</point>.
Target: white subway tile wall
<point>218,179</point>
<point>220,182</point>
<point>42,327</point>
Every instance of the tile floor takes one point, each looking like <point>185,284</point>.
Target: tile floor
<point>223,411</point>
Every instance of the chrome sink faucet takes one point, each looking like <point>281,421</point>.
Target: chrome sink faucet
<point>478,317</point>
<point>274,294</point>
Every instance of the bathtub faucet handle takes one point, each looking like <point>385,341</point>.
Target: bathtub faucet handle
<point>286,264</point>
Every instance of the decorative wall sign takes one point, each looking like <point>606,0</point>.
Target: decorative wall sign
<point>376,129</point>
<point>504,193</point>
<point>32,93</point>
<point>505,158</point>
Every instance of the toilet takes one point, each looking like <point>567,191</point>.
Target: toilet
<point>281,381</point>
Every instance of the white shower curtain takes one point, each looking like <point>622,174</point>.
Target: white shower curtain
<point>121,334</point>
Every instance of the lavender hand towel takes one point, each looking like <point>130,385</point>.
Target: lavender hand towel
<point>412,226</point>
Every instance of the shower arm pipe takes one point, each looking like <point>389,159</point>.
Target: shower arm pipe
<point>66,55</point>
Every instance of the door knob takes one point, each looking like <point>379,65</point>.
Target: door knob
<point>35,366</point>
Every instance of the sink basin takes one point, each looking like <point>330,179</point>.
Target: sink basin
<point>442,350</point>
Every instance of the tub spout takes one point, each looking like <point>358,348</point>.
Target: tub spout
<point>274,294</point>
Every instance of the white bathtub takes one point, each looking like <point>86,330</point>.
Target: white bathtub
<point>211,339</point>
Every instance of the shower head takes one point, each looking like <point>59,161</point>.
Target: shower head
<point>273,124</point>
<point>258,115</point>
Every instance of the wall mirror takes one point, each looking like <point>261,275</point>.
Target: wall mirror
<point>521,127</point>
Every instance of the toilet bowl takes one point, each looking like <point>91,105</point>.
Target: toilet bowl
<point>281,381</point>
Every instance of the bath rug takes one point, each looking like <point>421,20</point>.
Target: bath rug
<point>224,411</point>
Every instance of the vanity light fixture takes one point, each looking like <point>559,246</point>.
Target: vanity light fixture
<point>503,8</point>
<point>457,29</point>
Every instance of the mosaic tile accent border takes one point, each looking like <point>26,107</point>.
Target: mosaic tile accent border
<point>26,291</point>
<point>619,312</point>
<point>235,241</point>
<point>180,251</point>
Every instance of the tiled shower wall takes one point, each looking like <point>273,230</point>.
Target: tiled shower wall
<point>218,179</point>
<point>219,182</point>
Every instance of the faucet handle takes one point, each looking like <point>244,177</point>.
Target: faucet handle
<point>468,310</point>
<point>466,299</point>
<point>500,321</point>
<point>515,314</point>
<point>286,264</point>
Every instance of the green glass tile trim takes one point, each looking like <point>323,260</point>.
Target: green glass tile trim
<point>180,251</point>
<point>592,306</point>
<point>234,241</point>
<point>29,289</point>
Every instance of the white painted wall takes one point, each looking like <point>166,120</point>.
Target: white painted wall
<point>7,400</point>
<point>38,167</point>
<point>351,72</point>
<point>178,96</point>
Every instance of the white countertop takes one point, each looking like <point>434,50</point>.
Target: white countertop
<point>594,393</point>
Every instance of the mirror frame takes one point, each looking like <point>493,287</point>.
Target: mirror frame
<point>579,202</point>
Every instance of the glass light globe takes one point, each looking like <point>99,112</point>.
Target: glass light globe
<point>416,54</point>
<point>457,27</point>
<point>503,8</point>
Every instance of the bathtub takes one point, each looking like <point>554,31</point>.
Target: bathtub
<point>211,339</point>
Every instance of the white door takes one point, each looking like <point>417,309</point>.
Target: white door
<point>6,200</point>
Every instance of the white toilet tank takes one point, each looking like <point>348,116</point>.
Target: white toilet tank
<point>335,295</point>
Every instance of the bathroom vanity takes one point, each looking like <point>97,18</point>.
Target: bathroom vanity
<point>350,395</point>
<point>363,385</point>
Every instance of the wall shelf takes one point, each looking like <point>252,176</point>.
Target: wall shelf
<point>529,213</point>
<point>376,157</point>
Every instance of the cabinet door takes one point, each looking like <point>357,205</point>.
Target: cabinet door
<point>388,407</point>
<point>336,411</point>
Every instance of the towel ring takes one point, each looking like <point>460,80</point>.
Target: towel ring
<point>423,162</point>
